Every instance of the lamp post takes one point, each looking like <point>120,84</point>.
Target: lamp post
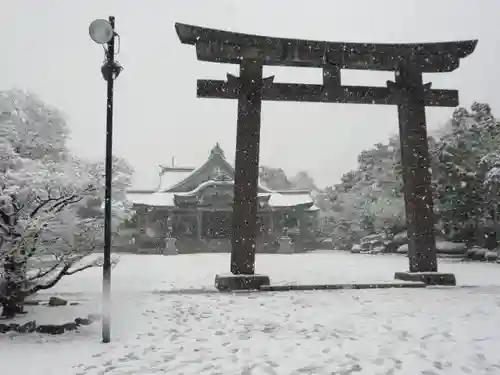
<point>103,32</point>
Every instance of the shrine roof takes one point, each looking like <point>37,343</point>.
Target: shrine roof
<point>204,185</point>
<point>171,176</point>
<point>188,179</point>
<point>230,47</point>
<point>185,182</point>
<point>156,199</point>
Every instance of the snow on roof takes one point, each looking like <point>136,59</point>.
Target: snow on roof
<point>290,200</point>
<point>205,184</point>
<point>172,177</point>
<point>313,208</point>
<point>162,199</point>
<point>157,199</point>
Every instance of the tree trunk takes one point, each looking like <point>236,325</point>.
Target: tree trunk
<point>11,307</point>
<point>11,295</point>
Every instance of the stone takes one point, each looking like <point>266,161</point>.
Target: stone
<point>228,283</point>
<point>378,249</point>
<point>70,326</point>
<point>365,246</point>
<point>384,285</point>
<point>400,239</point>
<point>285,245</point>
<point>74,303</point>
<point>372,237</point>
<point>56,301</point>
<point>170,246</point>
<point>479,254</point>
<point>390,247</point>
<point>83,321</point>
<point>27,327</point>
<point>356,249</point>
<point>447,247</point>
<point>403,249</point>
<point>470,253</point>
<point>51,329</point>
<point>491,256</point>
<point>429,278</point>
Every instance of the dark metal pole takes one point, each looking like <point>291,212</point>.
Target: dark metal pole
<point>106,269</point>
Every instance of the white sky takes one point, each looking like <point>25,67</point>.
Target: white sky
<point>46,49</point>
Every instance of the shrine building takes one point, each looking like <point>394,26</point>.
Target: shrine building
<point>194,206</point>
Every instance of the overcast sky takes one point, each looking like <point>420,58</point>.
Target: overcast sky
<point>46,49</point>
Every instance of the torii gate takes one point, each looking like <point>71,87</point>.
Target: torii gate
<point>408,92</point>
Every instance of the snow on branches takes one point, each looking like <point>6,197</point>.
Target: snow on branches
<point>43,189</point>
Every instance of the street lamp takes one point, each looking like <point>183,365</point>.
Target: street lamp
<point>103,32</point>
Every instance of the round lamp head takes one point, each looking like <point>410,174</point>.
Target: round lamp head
<point>101,31</point>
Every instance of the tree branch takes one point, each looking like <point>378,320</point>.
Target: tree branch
<point>63,202</point>
<point>51,283</point>
<point>44,273</point>
<point>82,268</point>
<point>41,205</point>
<point>65,271</point>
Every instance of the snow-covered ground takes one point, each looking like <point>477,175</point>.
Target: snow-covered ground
<point>158,331</point>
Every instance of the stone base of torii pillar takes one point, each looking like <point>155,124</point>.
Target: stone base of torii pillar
<point>231,283</point>
<point>429,278</point>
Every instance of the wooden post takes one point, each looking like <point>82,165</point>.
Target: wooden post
<point>416,169</point>
<point>246,168</point>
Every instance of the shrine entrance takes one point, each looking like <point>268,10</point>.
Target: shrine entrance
<point>407,91</point>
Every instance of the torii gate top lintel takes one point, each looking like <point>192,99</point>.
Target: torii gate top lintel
<point>230,47</point>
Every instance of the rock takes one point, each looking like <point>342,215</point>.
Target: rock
<point>372,237</point>
<point>447,247</point>
<point>400,239</point>
<point>442,247</point>
<point>479,254</point>
<point>4,328</point>
<point>370,242</point>
<point>70,326</point>
<point>230,282</point>
<point>491,256</point>
<point>471,252</point>
<point>356,249</point>
<point>403,249</point>
<point>50,329</point>
<point>390,247</point>
<point>365,246</point>
<point>83,321</point>
<point>378,249</point>
<point>74,303</point>
<point>27,327</point>
<point>56,301</point>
